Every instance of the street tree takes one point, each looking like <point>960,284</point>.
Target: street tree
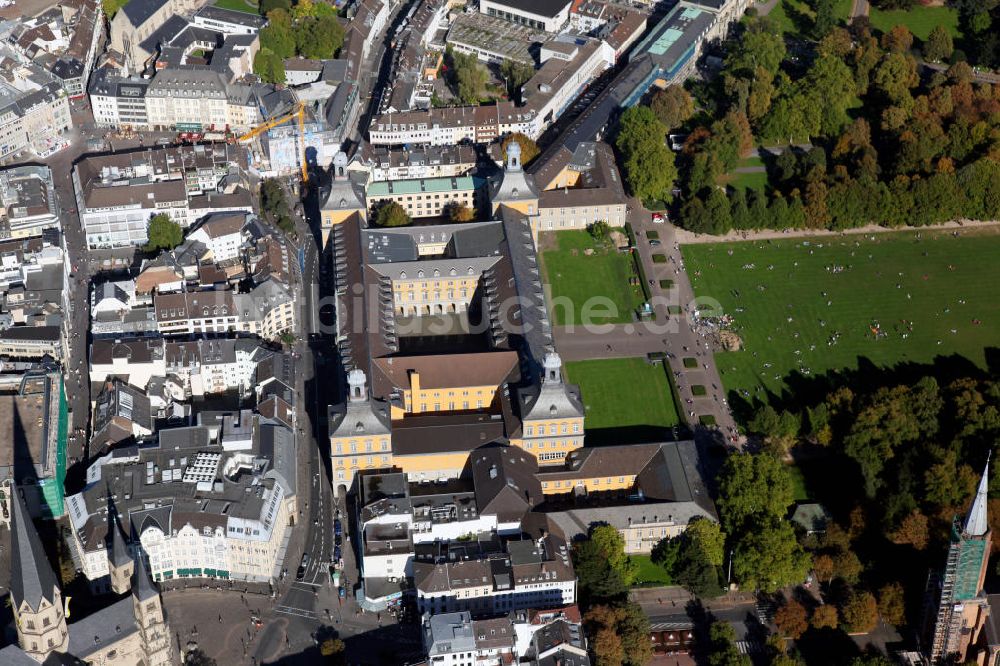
<point>860,612</point>
<point>791,619</point>
<point>649,164</point>
<point>825,617</point>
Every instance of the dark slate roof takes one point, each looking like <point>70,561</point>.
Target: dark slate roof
<point>99,630</point>
<point>142,585</point>
<point>31,575</point>
<point>505,482</point>
<point>139,11</point>
<point>165,34</point>
<point>119,548</point>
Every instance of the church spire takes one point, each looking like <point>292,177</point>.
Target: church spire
<point>976,523</point>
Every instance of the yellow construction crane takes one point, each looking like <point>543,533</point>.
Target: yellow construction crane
<point>300,114</point>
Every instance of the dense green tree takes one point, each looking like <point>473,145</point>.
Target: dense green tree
<point>739,213</point>
<point>268,66</point>
<point>597,579</point>
<point>752,486</point>
<point>318,37</point>
<point>611,545</point>
<point>722,650</point>
<point>894,77</point>
<point>469,77</point>
<point>673,106</point>
<point>515,74</point>
<point>695,217</point>
<point>391,214</point>
<point>762,45</point>
<point>939,45</point>
<point>163,233</point>
<point>717,209</point>
<point>278,35</point>
<point>825,18</point>
<point>768,557</point>
<point>649,164</point>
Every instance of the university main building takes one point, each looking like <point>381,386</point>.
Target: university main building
<point>458,433</point>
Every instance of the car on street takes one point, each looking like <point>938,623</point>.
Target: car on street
<point>654,243</point>
<point>337,527</point>
<point>337,553</point>
<point>301,573</point>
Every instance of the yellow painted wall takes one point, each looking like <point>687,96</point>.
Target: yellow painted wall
<point>565,178</point>
<point>331,218</point>
<point>448,399</point>
<point>431,462</point>
<point>596,484</point>
<point>528,207</point>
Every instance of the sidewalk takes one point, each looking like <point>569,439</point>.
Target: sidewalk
<point>685,237</point>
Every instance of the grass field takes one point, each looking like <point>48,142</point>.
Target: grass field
<point>755,180</point>
<point>624,393</point>
<point>920,20</point>
<point>650,572</point>
<point>248,6</point>
<point>794,17</point>
<point>810,307</point>
<point>799,492</point>
<point>574,275</point>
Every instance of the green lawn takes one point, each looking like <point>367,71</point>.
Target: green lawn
<point>811,306</point>
<point>650,572</point>
<point>578,277</point>
<point>799,492</point>
<point>920,20</point>
<point>794,17</point>
<point>248,6</point>
<point>624,393</point>
<point>755,180</point>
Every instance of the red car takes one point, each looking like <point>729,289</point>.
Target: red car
<point>658,218</point>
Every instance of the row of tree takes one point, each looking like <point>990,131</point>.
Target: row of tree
<point>881,145</point>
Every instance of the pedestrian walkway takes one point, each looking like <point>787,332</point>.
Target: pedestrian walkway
<point>685,237</point>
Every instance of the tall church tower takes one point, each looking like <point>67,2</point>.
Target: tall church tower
<point>149,615</point>
<point>516,188</point>
<point>120,565</point>
<point>962,609</point>
<point>34,591</point>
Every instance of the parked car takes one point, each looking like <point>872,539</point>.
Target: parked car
<point>337,527</point>
<point>658,218</point>
<point>301,573</point>
<point>654,243</point>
